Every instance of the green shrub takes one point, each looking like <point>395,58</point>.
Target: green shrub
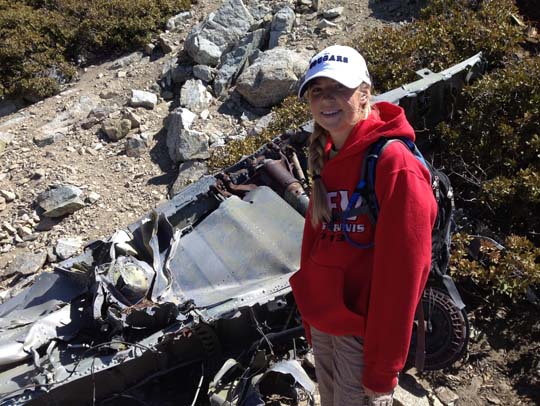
<point>447,32</point>
<point>509,271</point>
<point>31,54</point>
<point>290,114</point>
<point>41,40</point>
<point>494,145</point>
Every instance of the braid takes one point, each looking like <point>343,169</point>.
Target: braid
<point>319,205</point>
<point>320,211</point>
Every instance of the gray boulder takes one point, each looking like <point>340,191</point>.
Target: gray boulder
<point>142,98</point>
<point>208,40</point>
<point>26,263</point>
<point>194,96</point>
<point>67,247</point>
<point>135,146</point>
<point>180,119</point>
<point>282,24</point>
<point>174,74</point>
<point>61,200</point>
<point>188,172</point>
<point>48,137</point>
<point>188,145</point>
<point>204,72</point>
<point>272,77</point>
<point>234,61</point>
<point>115,128</point>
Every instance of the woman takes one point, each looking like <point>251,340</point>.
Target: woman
<point>358,305</point>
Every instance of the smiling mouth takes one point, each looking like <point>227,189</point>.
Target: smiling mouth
<point>329,113</point>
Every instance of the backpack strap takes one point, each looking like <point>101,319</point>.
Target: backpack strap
<point>366,185</point>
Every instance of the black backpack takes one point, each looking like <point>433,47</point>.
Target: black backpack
<point>441,330</point>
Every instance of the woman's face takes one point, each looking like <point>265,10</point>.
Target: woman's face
<point>335,107</point>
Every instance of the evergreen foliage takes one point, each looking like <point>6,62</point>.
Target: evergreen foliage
<point>41,41</point>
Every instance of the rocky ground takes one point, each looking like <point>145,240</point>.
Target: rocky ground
<point>64,140</point>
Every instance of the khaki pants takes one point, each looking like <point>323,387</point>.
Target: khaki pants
<point>339,361</point>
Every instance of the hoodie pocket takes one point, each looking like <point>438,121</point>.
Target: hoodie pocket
<point>318,291</point>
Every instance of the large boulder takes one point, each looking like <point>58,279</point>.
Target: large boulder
<point>208,40</point>
<point>61,200</point>
<point>180,121</point>
<point>189,145</point>
<point>282,24</point>
<point>234,61</point>
<point>188,172</point>
<point>272,77</point>
<point>194,96</point>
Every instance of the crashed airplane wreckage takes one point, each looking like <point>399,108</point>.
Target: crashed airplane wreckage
<point>200,282</point>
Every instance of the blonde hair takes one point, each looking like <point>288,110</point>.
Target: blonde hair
<point>320,211</point>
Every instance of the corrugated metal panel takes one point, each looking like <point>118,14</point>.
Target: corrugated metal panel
<point>243,247</point>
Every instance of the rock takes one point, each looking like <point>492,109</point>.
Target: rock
<point>47,138</point>
<point>165,43</point>
<point>9,228</point>
<point>493,399</point>
<point>135,146</point>
<point>149,48</point>
<point>176,22</point>
<point>107,94</point>
<point>51,256</point>
<point>403,397</point>
<point>5,140</point>
<point>100,113</point>
<point>446,396</point>
<point>8,195</point>
<point>188,145</point>
<point>61,200</point>
<point>333,13</point>
<point>234,61</point>
<point>92,197</point>
<point>126,61</point>
<point>89,123</point>
<point>133,118</point>
<point>272,77</point>
<point>26,263</point>
<point>194,95</point>
<point>47,224</point>
<point>207,41</point>
<point>205,114</point>
<point>67,247</point>
<point>188,172</point>
<point>261,124</point>
<point>180,119</point>
<point>259,10</point>
<point>175,74</point>
<point>141,98</point>
<point>24,231</point>
<point>2,203</point>
<point>282,24</point>
<point>116,129</point>
<point>203,72</point>
<point>38,174</point>
<point>324,23</point>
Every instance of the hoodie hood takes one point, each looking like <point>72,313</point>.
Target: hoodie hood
<point>386,120</point>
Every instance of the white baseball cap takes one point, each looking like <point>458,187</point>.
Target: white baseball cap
<point>343,64</point>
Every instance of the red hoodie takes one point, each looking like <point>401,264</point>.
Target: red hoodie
<point>372,293</point>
